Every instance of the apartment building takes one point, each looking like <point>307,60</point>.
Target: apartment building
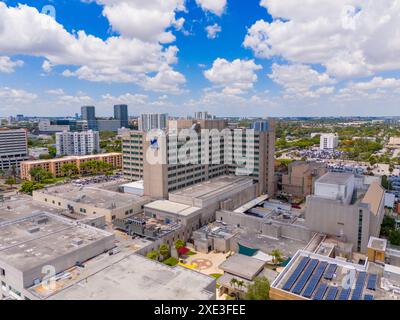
<point>77,143</point>
<point>54,165</point>
<point>150,121</point>
<point>13,148</point>
<point>329,141</point>
<point>299,181</point>
<point>132,146</point>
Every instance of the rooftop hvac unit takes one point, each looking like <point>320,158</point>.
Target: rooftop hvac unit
<point>77,242</point>
<point>42,220</point>
<point>33,229</point>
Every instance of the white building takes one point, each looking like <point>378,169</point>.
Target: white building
<point>150,121</point>
<point>13,148</point>
<point>329,141</point>
<point>45,125</point>
<point>77,143</point>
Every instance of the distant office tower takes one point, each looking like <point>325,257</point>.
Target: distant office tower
<point>13,148</point>
<point>77,143</point>
<point>329,141</point>
<point>89,114</point>
<point>121,113</point>
<point>150,121</point>
<point>202,115</point>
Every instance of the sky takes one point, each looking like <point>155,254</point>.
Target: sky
<point>229,57</point>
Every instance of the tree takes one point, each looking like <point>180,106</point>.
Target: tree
<point>258,290</point>
<point>233,282</point>
<point>52,151</point>
<point>277,256</point>
<point>153,255</point>
<point>240,284</point>
<point>394,237</point>
<point>70,169</point>
<point>30,186</point>
<point>10,181</point>
<point>179,244</point>
<point>164,250</point>
<point>39,174</point>
<point>2,173</point>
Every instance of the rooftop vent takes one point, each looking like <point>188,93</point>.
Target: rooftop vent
<point>33,229</point>
<point>77,242</point>
<point>42,220</point>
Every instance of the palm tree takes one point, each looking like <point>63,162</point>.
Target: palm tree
<point>277,256</point>
<point>233,282</point>
<point>240,284</point>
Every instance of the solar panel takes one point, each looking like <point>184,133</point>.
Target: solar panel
<point>304,278</point>
<point>296,274</point>
<point>330,271</point>
<point>315,280</point>
<point>369,297</point>
<point>319,295</point>
<point>344,294</point>
<point>357,293</point>
<point>332,293</point>
<point>371,285</point>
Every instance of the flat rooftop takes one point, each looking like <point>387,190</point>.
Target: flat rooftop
<point>377,244</point>
<point>20,206</point>
<point>213,188</point>
<point>94,196</point>
<point>42,237</point>
<point>338,178</point>
<point>172,207</point>
<point>137,278</point>
<point>316,277</point>
<point>243,266</point>
<point>73,158</point>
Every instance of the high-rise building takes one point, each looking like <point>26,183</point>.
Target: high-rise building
<point>329,141</point>
<point>160,178</point>
<point>13,148</point>
<point>150,121</point>
<point>121,113</point>
<point>202,115</point>
<point>88,113</point>
<point>77,143</point>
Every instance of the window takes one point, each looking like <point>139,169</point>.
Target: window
<point>113,217</point>
<point>2,272</point>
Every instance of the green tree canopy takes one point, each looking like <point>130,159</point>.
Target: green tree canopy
<point>258,290</point>
<point>40,174</point>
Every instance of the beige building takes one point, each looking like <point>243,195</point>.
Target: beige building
<point>394,142</point>
<point>341,209</point>
<point>300,179</point>
<point>89,201</point>
<point>170,175</point>
<point>54,165</point>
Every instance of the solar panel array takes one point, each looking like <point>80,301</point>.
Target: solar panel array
<point>307,276</point>
<point>315,280</point>
<point>371,285</point>
<point>304,278</point>
<point>296,274</point>
<point>332,293</point>
<point>358,290</point>
<point>319,295</point>
<point>330,272</point>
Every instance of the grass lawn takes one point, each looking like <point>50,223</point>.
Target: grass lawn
<point>191,253</point>
<point>54,180</point>
<point>171,261</point>
<point>216,275</point>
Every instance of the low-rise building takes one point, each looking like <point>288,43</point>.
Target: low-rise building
<point>91,200</point>
<point>329,141</point>
<point>54,165</point>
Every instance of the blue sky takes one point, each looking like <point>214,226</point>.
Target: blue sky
<point>230,57</point>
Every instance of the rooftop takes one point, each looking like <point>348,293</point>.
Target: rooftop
<point>40,238</point>
<point>374,196</point>
<point>377,244</point>
<point>73,158</point>
<point>172,207</point>
<point>137,278</point>
<point>243,266</point>
<point>316,277</point>
<point>337,178</point>
<point>211,190</point>
<point>94,196</point>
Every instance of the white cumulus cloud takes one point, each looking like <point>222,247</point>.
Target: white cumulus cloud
<point>8,66</point>
<point>215,6</point>
<point>213,30</point>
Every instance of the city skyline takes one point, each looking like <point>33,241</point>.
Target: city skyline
<point>231,58</point>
